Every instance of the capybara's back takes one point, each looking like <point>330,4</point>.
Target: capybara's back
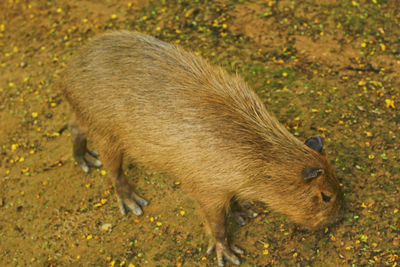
<point>139,97</point>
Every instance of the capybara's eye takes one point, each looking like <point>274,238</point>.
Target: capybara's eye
<point>325,197</point>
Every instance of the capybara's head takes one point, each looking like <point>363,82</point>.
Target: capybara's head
<point>323,203</point>
<point>307,190</point>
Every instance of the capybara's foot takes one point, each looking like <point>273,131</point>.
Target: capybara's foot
<point>87,160</point>
<point>131,202</point>
<point>242,212</point>
<point>223,251</point>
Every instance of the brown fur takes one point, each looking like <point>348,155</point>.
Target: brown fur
<point>169,109</point>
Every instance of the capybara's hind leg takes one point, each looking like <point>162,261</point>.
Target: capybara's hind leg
<point>85,158</point>
<point>128,200</point>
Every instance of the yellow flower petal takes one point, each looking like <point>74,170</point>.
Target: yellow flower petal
<point>389,103</point>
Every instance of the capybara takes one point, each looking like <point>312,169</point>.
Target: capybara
<point>155,103</point>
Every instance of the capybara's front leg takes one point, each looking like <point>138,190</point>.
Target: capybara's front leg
<point>216,219</point>
<point>241,212</point>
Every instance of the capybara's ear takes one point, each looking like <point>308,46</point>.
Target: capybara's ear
<point>309,173</point>
<point>315,143</point>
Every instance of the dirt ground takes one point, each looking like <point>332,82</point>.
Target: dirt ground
<point>327,68</point>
